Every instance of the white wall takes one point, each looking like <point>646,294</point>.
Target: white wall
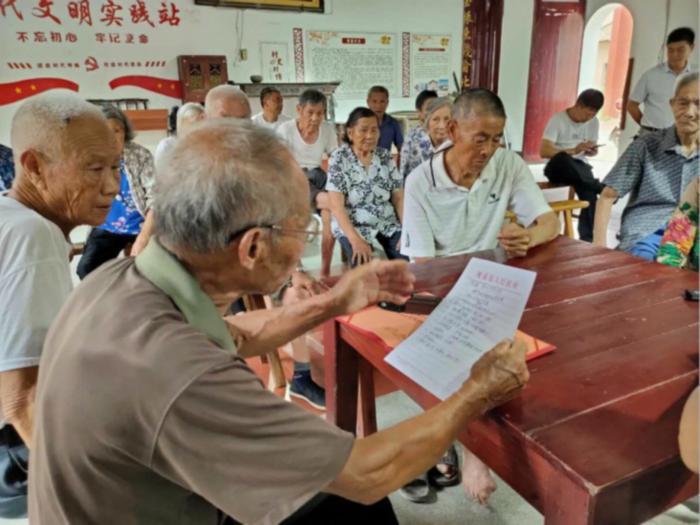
<point>647,39</point>
<point>208,30</point>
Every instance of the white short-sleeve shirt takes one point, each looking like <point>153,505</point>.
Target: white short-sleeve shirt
<point>309,155</point>
<point>565,133</point>
<point>655,90</point>
<point>441,218</point>
<point>34,282</point>
<point>259,119</point>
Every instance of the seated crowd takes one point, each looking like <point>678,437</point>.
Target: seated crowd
<point>169,424</point>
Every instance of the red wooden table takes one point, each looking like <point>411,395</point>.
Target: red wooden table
<point>593,437</point>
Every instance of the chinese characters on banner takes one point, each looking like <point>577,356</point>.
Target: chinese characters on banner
<point>114,21</point>
<point>274,62</point>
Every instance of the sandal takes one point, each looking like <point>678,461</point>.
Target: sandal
<point>418,490</point>
<point>454,474</point>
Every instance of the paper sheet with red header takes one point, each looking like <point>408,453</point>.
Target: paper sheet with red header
<point>484,307</point>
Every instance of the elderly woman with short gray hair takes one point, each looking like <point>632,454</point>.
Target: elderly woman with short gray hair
<point>125,219</point>
<point>420,146</point>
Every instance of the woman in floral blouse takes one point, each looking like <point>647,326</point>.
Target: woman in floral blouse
<point>425,139</point>
<point>679,245</point>
<point>365,191</point>
<point>125,219</point>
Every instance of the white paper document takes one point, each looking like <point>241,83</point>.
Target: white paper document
<point>483,308</point>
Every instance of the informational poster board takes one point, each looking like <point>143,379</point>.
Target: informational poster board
<point>358,60</point>
<point>430,63</point>
<point>274,62</point>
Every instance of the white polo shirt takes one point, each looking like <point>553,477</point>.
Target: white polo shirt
<point>259,119</point>
<point>655,90</point>
<point>441,218</point>
<point>564,133</point>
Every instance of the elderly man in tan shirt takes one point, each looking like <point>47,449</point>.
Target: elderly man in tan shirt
<point>152,416</point>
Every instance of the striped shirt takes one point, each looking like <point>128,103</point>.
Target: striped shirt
<point>654,171</point>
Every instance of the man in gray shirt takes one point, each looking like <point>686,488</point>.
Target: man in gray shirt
<point>146,410</point>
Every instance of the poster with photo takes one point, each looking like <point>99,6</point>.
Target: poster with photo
<point>430,63</point>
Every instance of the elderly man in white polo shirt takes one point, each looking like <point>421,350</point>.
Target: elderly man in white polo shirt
<point>456,202</point>
<point>655,87</point>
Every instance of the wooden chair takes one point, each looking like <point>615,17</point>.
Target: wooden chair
<point>565,207</point>
<point>276,378</point>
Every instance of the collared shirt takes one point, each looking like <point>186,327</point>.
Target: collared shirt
<point>259,119</point>
<point>123,217</point>
<point>141,174</point>
<point>156,416</point>
<point>655,172</point>
<point>367,191</point>
<point>390,133</point>
<point>416,148</point>
<point>655,90</point>
<point>442,218</point>
<point>7,168</point>
<point>34,282</point>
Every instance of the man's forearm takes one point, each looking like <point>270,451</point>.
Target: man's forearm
<point>260,331</point>
<point>635,112</point>
<point>385,461</point>
<point>545,229</point>
<point>602,218</point>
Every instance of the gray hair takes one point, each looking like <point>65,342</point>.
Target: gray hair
<point>433,105</point>
<point>222,177</point>
<point>684,80</point>
<point>114,113</point>
<point>477,101</point>
<point>312,96</point>
<point>40,122</point>
<point>226,91</point>
<point>188,110</point>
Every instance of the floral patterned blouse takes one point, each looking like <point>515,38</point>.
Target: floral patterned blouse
<point>416,148</point>
<point>679,245</point>
<point>7,168</point>
<point>124,217</point>
<point>367,191</point>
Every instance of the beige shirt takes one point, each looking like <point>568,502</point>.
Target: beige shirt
<point>146,415</point>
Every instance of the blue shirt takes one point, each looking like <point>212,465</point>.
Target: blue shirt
<point>654,171</point>
<point>123,218</point>
<point>390,133</point>
<point>7,168</point>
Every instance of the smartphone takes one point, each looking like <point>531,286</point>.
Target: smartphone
<point>691,295</point>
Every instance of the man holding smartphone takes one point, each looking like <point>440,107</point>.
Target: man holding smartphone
<point>569,138</point>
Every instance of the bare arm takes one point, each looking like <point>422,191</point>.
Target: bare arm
<point>634,111</point>
<point>258,332</point>
<point>337,205</point>
<point>397,201</point>
<point>549,150</point>
<point>544,229</point>
<point>516,240</point>
<point>602,216</point>
<point>387,460</point>
<point>17,391</point>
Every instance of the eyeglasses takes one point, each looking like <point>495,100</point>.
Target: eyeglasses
<point>311,233</point>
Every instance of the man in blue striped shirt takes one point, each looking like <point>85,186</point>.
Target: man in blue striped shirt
<point>654,170</point>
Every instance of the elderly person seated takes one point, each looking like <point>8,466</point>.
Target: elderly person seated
<point>126,216</point>
<point>365,191</point>
<point>456,202</point>
<point>419,145</point>
<point>390,132</point>
<point>226,101</point>
<point>176,428</point>
<point>67,163</point>
<point>655,170</point>
<point>272,105</point>
<point>7,168</point>
<point>186,115</point>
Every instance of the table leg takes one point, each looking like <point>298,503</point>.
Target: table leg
<point>367,409</point>
<point>341,372</point>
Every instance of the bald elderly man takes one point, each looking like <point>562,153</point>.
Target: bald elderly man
<point>173,426</point>
<point>223,101</point>
<point>67,165</point>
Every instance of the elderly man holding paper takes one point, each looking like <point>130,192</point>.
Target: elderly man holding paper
<point>174,427</point>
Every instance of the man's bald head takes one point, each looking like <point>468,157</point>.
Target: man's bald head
<point>477,102</point>
<point>227,101</point>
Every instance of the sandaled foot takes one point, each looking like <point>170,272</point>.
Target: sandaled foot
<point>446,472</point>
<point>476,478</point>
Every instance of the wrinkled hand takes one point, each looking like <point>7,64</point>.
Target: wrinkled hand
<point>583,147</point>
<point>515,240</point>
<point>371,283</point>
<point>501,373</point>
<point>361,250</point>
<point>306,286</point>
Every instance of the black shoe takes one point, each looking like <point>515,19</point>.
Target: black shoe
<point>303,387</point>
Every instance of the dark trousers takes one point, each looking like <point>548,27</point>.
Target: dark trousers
<point>564,169</point>
<point>387,243</point>
<point>325,509</point>
<point>14,464</point>
<point>101,246</point>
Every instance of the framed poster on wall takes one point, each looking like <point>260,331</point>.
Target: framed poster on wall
<point>274,62</point>
<point>315,6</point>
